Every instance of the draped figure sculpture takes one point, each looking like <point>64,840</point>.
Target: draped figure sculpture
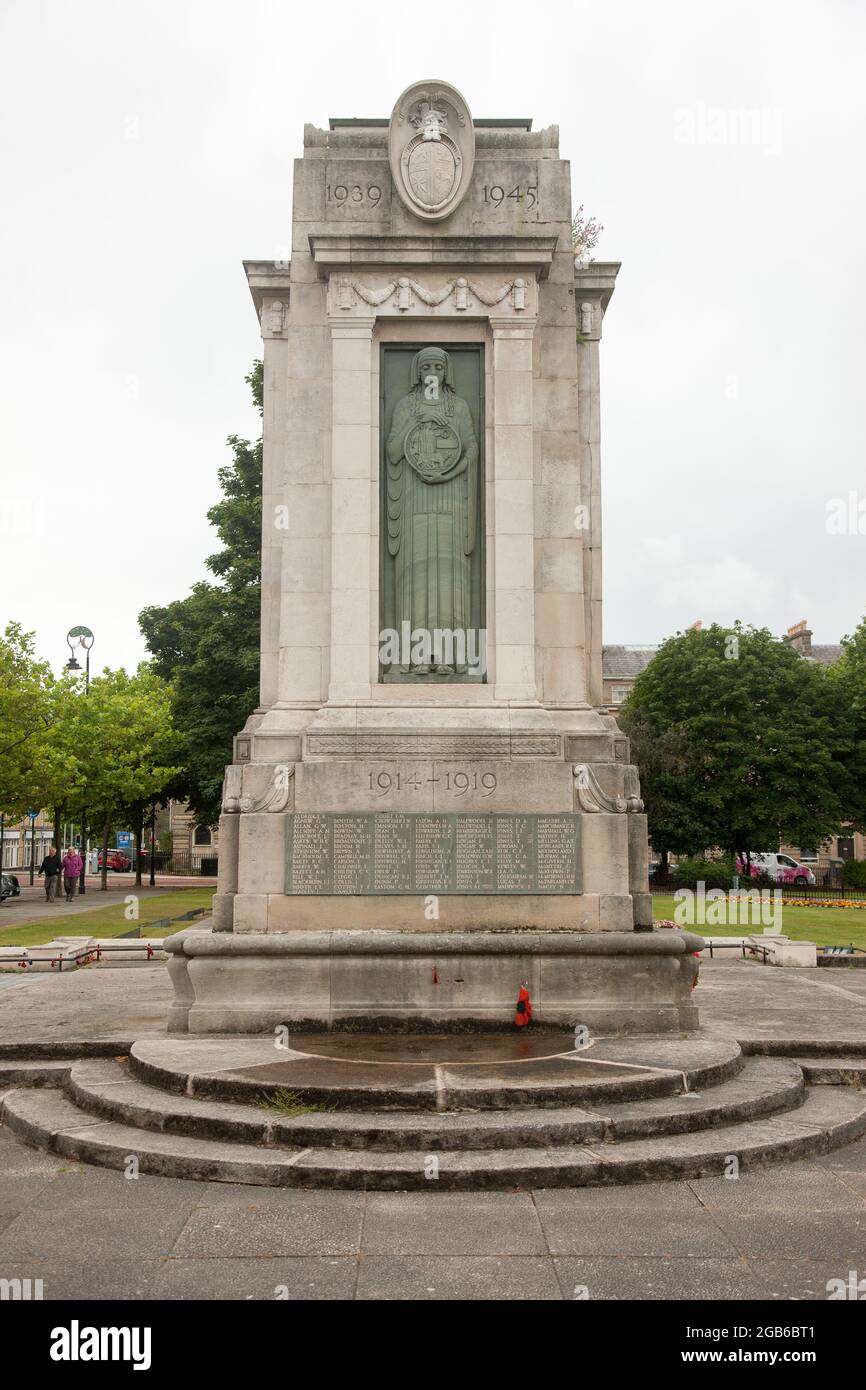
<point>432,516</point>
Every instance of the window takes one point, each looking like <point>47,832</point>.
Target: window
<point>201,835</point>
<point>619,694</point>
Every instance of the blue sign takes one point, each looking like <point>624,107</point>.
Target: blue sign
<point>124,839</point>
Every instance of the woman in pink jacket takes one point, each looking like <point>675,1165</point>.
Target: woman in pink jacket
<point>72,866</point>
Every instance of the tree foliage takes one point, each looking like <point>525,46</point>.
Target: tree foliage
<point>105,750</point>
<point>849,673</point>
<point>26,716</point>
<point>207,644</point>
<point>741,744</point>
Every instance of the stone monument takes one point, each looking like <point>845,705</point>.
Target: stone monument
<point>427,809</point>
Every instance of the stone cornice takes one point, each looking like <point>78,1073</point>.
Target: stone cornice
<point>596,280</point>
<point>268,279</point>
<point>333,251</point>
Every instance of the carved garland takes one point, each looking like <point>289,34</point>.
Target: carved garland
<point>461,288</point>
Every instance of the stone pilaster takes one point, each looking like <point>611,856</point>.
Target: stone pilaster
<point>593,287</point>
<point>353,502</point>
<point>512,511</point>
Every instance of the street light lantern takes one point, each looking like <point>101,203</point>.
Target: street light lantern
<point>78,637</point>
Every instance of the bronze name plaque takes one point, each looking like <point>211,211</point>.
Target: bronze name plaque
<point>394,852</point>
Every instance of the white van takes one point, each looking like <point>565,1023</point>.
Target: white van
<point>782,868</point>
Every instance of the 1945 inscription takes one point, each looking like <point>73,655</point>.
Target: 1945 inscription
<point>339,854</point>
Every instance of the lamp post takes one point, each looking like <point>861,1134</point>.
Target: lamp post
<point>32,815</point>
<point>81,637</point>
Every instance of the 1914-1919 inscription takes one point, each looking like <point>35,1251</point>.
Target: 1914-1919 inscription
<point>395,852</point>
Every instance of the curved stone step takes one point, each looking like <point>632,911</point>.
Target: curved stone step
<point>34,1072</point>
<point>65,1048</point>
<point>50,1120</point>
<point>800,1046</point>
<point>353,1071</point>
<point>828,1118</point>
<point>833,1071</point>
<point>763,1087</point>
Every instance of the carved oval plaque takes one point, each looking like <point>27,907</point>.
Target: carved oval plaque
<point>432,148</point>
<point>432,448</point>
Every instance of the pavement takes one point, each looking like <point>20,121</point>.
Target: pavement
<point>776,1233</point>
<point>89,1233</point>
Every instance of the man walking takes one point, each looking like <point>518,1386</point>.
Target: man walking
<point>51,867</point>
<point>72,866</point>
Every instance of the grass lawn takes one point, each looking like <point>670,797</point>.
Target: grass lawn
<point>110,921</point>
<point>826,926</point>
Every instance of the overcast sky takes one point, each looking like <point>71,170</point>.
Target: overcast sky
<point>147,148</point>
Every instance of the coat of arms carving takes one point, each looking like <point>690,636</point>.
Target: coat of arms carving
<point>432,148</point>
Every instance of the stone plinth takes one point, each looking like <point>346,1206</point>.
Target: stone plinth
<point>617,982</point>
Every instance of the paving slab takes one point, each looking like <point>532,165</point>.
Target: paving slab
<point>299,1223</point>
<point>515,1279</point>
<point>793,1189</point>
<point>107,1189</point>
<point>808,1280</point>
<point>805,1235</point>
<point>659,1279</point>
<point>481,1223</point>
<point>577,1231</point>
<point>651,1196</point>
<point>299,1279</point>
<point>72,1279</point>
<point>85,1235</point>
<point>852,1158</point>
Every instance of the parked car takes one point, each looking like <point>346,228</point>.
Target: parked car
<point>117,861</point>
<point>781,868</point>
<point>9,886</point>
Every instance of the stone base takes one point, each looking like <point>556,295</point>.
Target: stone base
<point>614,982</point>
<point>269,913</point>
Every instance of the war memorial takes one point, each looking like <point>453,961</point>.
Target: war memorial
<point>427,818</point>
<point>427,809</point>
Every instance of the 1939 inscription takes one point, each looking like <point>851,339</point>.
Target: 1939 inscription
<point>340,854</point>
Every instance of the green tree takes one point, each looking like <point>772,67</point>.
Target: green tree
<point>207,644</point>
<point>126,746</point>
<point>58,776</point>
<point>26,716</point>
<point>741,744</point>
<point>849,673</point>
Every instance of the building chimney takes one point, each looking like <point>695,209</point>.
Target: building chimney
<point>800,638</point>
